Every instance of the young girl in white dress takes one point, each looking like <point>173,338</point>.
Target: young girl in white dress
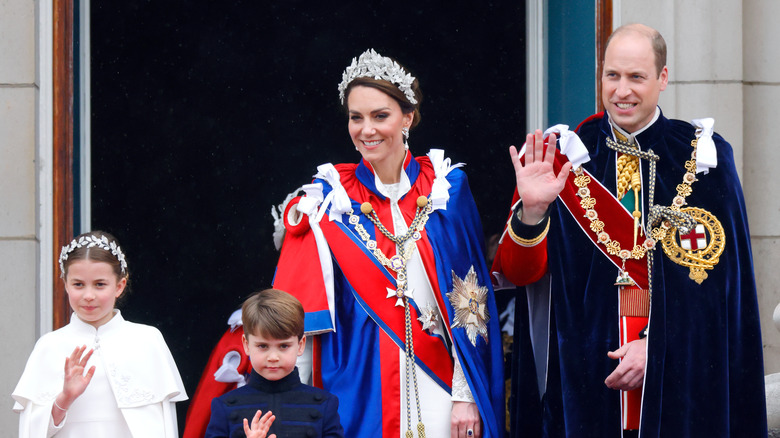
<point>100,375</point>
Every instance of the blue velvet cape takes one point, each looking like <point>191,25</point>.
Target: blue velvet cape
<point>704,374</point>
<point>351,358</point>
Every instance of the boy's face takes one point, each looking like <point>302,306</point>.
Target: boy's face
<point>273,358</point>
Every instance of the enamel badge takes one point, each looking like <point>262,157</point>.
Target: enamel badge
<point>700,248</point>
<point>469,300</point>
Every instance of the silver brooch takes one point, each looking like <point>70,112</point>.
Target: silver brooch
<point>428,318</point>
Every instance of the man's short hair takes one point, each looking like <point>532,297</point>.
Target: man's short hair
<point>274,314</point>
<point>656,41</point>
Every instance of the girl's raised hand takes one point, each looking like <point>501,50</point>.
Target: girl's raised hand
<point>75,379</point>
<point>260,425</point>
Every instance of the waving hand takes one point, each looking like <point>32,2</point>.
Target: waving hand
<point>537,183</point>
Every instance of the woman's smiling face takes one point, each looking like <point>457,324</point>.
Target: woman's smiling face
<point>375,122</point>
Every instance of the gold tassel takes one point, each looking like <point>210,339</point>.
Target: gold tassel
<point>636,184</point>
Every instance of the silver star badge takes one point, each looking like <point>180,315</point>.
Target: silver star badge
<point>469,300</point>
<point>428,318</point>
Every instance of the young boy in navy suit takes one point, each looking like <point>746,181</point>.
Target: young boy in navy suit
<point>273,339</point>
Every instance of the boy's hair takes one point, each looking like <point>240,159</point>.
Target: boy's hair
<point>273,313</point>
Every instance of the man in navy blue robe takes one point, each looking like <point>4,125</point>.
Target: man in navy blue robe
<point>643,313</point>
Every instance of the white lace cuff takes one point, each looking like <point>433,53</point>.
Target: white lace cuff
<point>460,387</point>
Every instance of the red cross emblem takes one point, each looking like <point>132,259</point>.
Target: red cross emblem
<point>696,239</point>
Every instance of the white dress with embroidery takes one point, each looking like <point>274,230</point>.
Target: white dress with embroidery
<point>132,394</point>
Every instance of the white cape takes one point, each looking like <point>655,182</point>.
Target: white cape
<point>134,360</point>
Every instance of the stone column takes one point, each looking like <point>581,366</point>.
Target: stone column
<point>761,177</point>
<point>18,198</point>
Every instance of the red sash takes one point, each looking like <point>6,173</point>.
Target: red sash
<point>619,224</point>
<point>370,281</point>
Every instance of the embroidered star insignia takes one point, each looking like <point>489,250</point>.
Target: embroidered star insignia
<point>469,300</point>
<point>428,318</point>
<point>399,294</point>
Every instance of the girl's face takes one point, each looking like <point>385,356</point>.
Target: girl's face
<point>93,288</point>
<point>375,122</point>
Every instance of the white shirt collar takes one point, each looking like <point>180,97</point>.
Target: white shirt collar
<point>395,191</point>
<point>632,136</point>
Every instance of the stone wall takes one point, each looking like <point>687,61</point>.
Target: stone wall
<point>18,198</point>
<point>761,93</point>
<point>722,64</point>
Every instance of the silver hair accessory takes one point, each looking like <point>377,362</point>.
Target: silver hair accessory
<point>373,65</point>
<point>93,242</point>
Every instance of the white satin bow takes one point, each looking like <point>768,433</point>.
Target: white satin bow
<point>571,145</point>
<point>440,190</point>
<point>311,200</point>
<point>337,199</point>
<point>706,155</point>
<point>228,371</point>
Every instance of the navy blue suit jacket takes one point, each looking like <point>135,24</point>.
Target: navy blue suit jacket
<point>300,410</point>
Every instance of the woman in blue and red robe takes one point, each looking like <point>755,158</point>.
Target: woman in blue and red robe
<point>387,257</point>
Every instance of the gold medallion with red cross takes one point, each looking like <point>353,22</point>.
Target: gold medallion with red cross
<point>700,248</point>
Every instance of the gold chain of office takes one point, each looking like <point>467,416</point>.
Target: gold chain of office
<point>665,217</point>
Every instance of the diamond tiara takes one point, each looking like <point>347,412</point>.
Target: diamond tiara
<point>373,65</point>
<point>93,242</point>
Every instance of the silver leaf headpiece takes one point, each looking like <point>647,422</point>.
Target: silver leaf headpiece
<point>373,65</point>
<point>93,242</point>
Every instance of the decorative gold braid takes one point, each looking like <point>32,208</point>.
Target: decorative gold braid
<point>627,166</point>
<point>528,242</point>
<point>619,135</point>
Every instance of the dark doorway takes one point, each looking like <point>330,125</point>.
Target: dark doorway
<point>207,113</point>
